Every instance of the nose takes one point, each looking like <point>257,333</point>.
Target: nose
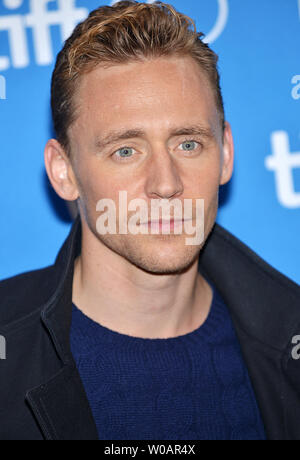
<point>163,178</point>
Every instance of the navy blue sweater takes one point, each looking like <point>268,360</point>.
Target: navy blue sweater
<point>191,387</point>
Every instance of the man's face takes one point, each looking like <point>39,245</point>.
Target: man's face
<point>156,97</point>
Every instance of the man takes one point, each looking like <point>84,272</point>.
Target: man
<point>139,335</point>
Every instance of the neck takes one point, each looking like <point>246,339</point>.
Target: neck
<point>126,299</point>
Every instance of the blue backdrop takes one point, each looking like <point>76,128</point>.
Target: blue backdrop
<point>258,43</point>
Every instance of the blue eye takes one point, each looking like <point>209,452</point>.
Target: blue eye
<point>125,152</point>
<point>190,145</point>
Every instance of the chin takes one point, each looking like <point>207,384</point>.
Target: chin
<point>160,268</point>
<point>163,260</point>
<point>159,254</point>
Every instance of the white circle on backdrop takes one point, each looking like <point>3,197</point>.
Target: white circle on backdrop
<point>220,24</point>
<point>12,4</point>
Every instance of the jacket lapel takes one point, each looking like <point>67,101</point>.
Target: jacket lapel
<point>61,408</point>
<point>60,405</point>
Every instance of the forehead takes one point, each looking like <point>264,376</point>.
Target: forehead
<point>159,92</point>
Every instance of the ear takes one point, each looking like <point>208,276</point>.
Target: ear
<point>60,171</point>
<point>227,155</point>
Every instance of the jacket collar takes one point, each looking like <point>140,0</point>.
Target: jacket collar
<point>262,301</point>
<point>56,314</point>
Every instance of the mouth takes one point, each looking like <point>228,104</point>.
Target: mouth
<point>165,224</point>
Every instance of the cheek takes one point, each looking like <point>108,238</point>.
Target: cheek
<point>95,184</point>
<point>211,183</point>
<point>204,182</point>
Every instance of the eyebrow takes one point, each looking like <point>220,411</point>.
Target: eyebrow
<point>118,135</point>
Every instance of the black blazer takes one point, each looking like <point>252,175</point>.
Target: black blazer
<point>41,393</point>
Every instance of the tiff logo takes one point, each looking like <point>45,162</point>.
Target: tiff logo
<point>2,347</point>
<point>282,162</point>
<point>2,87</point>
<point>39,21</point>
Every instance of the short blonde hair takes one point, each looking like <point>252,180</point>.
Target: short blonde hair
<point>117,34</point>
